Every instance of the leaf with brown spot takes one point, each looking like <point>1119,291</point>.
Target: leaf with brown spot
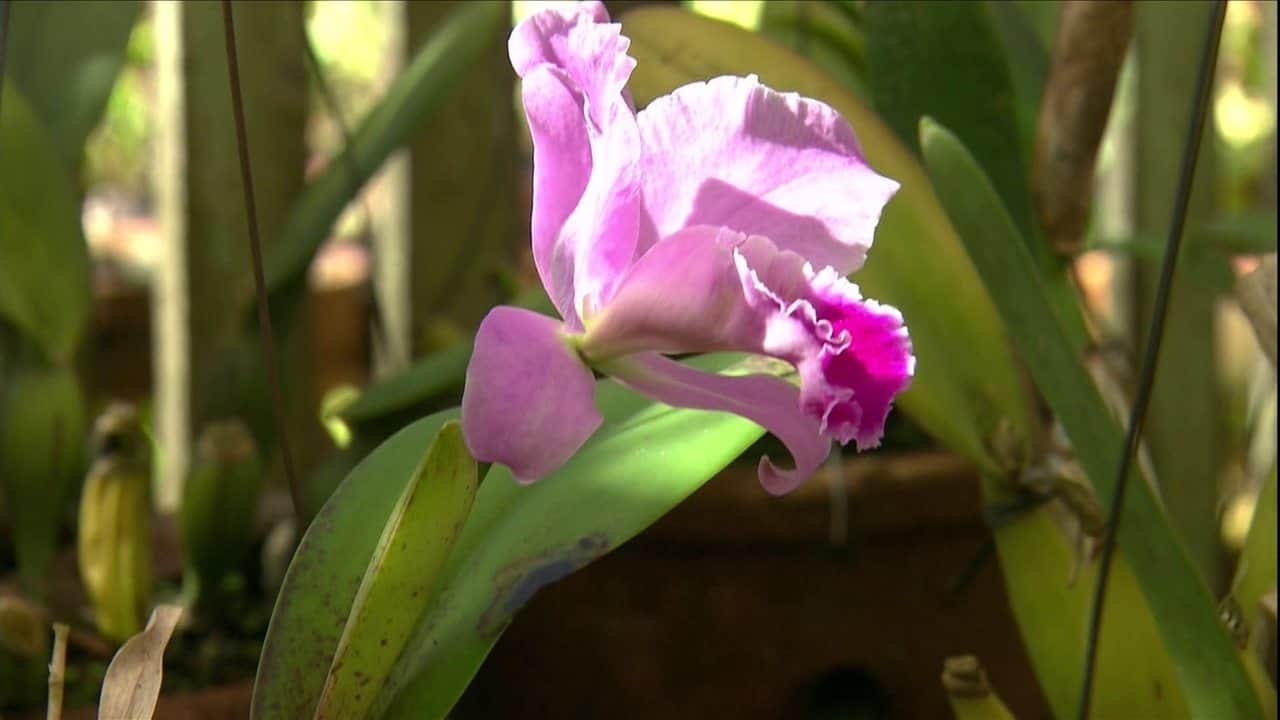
<point>401,574</point>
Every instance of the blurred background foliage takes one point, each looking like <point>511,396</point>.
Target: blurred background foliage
<point>393,195</point>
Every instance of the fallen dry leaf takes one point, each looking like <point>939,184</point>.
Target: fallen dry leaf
<point>132,684</point>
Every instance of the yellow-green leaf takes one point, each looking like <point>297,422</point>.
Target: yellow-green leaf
<point>399,582</point>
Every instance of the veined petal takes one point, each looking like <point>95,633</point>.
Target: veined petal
<point>561,169</point>
<point>767,401</point>
<point>575,67</point>
<point>707,289</point>
<point>529,402</point>
<point>731,152</point>
<point>684,295</point>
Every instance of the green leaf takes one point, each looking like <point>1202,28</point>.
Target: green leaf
<point>399,582</point>
<point>64,57</point>
<point>824,33</point>
<point>1049,584</point>
<point>645,461</point>
<point>1028,67</point>
<point>1213,679</point>
<point>419,90</point>
<point>946,61</point>
<point>432,376</point>
<point>516,539</point>
<point>327,571</point>
<point>44,263</point>
<point>967,383</point>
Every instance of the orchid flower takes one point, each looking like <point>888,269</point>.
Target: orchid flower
<point>722,217</point>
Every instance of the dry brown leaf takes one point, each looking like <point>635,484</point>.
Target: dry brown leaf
<point>132,684</point>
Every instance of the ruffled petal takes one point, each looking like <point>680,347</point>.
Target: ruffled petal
<point>580,41</point>
<point>529,402</point>
<point>854,354</point>
<point>709,289</point>
<point>575,67</point>
<point>765,400</point>
<point>731,152</point>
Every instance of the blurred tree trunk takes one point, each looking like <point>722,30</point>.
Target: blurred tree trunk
<point>392,341</point>
<point>464,176</point>
<point>227,372</point>
<point>171,350</point>
<point>1184,421</point>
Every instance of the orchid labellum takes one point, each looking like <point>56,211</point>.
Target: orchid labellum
<point>722,217</point>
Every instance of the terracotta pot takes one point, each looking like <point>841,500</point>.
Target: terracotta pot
<point>741,605</point>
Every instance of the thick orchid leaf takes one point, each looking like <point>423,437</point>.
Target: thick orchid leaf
<point>64,57</point>
<point>326,573</point>
<point>945,60</point>
<point>398,584</point>
<point>1214,681</point>
<point>1050,589</point>
<point>419,90</point>
<point>966,382</point>
<point>644,461</point>
<point>44,262</point>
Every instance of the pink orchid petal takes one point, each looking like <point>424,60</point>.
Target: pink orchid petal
<point>529,402</point>
<point>854,354</point>
<point>582,42</point>
<point>707,289</point>
<point>767,401</point>
<point>575,67</point>
<point>731,152</point>
<point>561,169</point>
<point>684,295</point>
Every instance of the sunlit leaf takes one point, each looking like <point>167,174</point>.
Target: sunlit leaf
<point>644,461</point>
